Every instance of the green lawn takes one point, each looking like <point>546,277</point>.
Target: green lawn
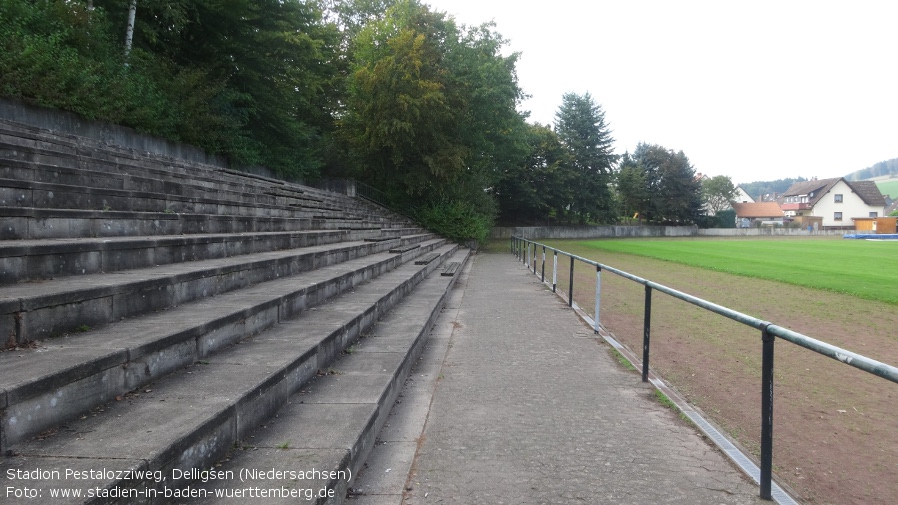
<point>861,268</point>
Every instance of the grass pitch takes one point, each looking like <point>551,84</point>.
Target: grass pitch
<point>861,268</point>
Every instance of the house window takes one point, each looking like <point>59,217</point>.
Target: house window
<point>837,216</point>
<point>838,199</point>
<point>874,214</point>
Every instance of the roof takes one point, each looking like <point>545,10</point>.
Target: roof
<point>758,210</point>
<point>868,191</point>
<point>817,188</point>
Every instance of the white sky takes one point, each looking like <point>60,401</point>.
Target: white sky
<point>757,90</point>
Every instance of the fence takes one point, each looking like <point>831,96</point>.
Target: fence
<point>527,251</point>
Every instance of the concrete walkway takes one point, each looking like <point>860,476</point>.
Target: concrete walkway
<point>523,405</point>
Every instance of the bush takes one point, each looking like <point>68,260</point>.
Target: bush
<point>457,220</point>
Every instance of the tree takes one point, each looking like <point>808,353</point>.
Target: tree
<point>266,68</point>
<point>580,125</point>
<point>399,121</point>
<point>540,188</point>
<point>632,188</point>
<point>718,192</point>
<point>430,112</point>
<point>672,193</point>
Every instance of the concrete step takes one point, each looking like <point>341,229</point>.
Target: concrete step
<point>16,193</point>
<point>150,174</point>
<point>18,223</point>
<point>86,195</point>
<point>158,174</point>
<point>31,154</point>
<point>31,260</point>
<point>58,379</point>
<point>193,417</point>
<point>332,424</point>
<point>36,311</point>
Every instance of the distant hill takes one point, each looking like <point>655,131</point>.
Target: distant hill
<point>758,189</point>
<point>882,169</point>
<point>888,187</point>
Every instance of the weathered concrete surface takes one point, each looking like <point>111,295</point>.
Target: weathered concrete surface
<point>587,232</point>
<point>74,124</point>
<point>596,232</point>
<point>530,408</point>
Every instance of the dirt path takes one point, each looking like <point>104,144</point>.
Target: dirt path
<point>836,428</point>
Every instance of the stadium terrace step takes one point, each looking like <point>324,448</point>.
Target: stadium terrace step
<point>84,196</point>
<point>63,377</point>
<point>403,248</point>
<point>427,258</point>
<point>35,311</point>
<point>158,311</point>
<point>31,223</point>
<point>451,269</point>
<point>332,423</point>
<point>30,260</point>
<point>192,418</point>
<point>68,163</point>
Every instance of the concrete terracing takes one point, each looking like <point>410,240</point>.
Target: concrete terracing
<point>157,314</point>
<point>184,333</point>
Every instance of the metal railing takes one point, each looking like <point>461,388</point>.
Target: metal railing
<point>527,251</point>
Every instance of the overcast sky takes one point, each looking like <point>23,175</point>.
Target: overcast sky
<point>756,90</point>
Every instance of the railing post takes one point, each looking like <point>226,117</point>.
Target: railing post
<point>598,297</point>
<point>554,270</point>
<point>766,413</point>
<point>646,333</point>
<point>534,258</point>
<point>544,264</point>
<point>531,252</point>
<point>570,286</point>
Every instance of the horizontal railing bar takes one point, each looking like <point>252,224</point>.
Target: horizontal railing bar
<point>878,368</point>
<point>845,356</point>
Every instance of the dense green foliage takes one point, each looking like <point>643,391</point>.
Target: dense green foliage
<point>387,91</point>
<point>431,115</point>
<point>660,185</point>
<point>580,125</point>
<point>538,190</point>
<point>717,193</point>
<point>855,267</point>
<point>246,79</point>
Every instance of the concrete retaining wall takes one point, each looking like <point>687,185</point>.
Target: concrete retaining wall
<point>589,232</point>
<point>768,231</point>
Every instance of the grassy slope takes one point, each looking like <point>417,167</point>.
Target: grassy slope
<point>889,187</point>
<point>857,267</point>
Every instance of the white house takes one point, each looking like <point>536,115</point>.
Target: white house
<point>835,200</point>
<point>742,196</point>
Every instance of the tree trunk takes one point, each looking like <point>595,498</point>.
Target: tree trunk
<point>129,33</point>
